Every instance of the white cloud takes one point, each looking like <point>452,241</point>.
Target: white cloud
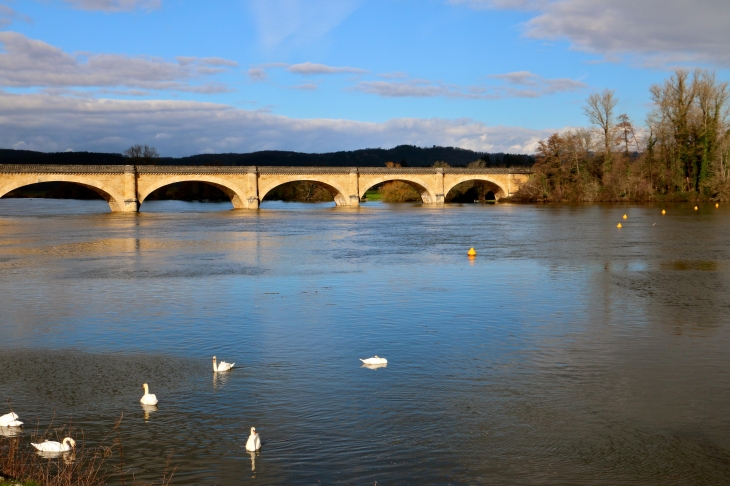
<point>32,63</point>
<point>49,122</point>
<point>258,74</point>
<point>393,75</point>
<point>522,84</point>
<point>115,5</point>
<point>309,68</point>
<point>8,15</point>
<point>298,22</point>
<point>307,87</point>
<point>417,89</point>
<point>656,32</point>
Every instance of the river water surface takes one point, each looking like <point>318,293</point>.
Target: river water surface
<point>567,352</point>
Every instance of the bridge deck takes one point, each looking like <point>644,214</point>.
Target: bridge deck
<point>125,187</point>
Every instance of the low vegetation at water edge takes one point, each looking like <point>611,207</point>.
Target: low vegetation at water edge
<point>681,154</point>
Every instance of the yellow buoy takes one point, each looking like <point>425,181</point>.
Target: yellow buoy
<point>626,216</point>
<point>619,225</point>
<point>664,212</point>
<point>696,208</point>
<point>471,252</point>
<point>717,205</point>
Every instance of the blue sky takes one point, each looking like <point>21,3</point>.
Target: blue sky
<point>322,75</point>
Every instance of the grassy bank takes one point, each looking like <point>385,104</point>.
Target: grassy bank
<point>22,465</point>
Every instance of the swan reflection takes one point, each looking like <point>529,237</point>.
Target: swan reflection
<point>374,366</point>
<point>253,455</point>
<point>220,379</point>
<point>148,409</point>
<point>68,457</point>
<point>10,431</point>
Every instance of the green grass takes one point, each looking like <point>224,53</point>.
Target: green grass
<point>373,195</point>
<point>8,482</point>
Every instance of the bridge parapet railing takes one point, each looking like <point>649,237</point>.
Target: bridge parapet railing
<point>190,169</point>
<point>61,169</point>
<point>194,169</point>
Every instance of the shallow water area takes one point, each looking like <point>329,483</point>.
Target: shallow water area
<point>568,351</point>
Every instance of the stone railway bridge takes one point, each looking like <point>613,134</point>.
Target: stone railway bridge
<point>125,187</point>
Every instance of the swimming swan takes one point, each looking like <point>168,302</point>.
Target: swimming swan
<point>374,361</point>
<point>148,398</point>
<point>254,442</point>
<point>223,366</point>
<point>51,446</point>
<point>10,420</point>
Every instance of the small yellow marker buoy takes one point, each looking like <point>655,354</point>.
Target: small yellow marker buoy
<point>626,216</point>
<point>619,225</point>
<point>472,252</point>
<point>717,205</point>
<point>663,212</point>
<point>696,208</point>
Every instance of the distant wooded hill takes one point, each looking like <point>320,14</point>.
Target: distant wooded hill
<point>406,155</point>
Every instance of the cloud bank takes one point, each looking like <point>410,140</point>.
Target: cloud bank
<point>54,122</point>
<point>656,32</point>
<point>32,63</point>
<point>521,84</point>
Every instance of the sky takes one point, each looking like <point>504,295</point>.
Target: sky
<point>189,76</point>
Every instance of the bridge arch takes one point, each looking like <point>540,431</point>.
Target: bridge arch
<point>428,196</point>
<point>497,187</point>
<point>111,196</point>
<point>333,187</point>
<point>233,192</point>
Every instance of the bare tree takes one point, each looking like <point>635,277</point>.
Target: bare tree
<point>599,109</point>
<point>141,154</point>
<point>477,164</point>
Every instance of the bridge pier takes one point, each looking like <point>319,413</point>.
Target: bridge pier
<point>131,203</point>
<point>439,195</point>
<point>252,188</point>
<point>354,180</point>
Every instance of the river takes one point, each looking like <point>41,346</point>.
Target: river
<point>569,351</point>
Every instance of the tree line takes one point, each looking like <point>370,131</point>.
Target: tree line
<point>680,154</point>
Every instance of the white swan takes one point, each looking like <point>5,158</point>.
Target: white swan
<point>223,366</point>
<point>254,441</point>
<point>148,398</point>
<point>52,446</point>
<point>374,361</point>
<point>10,420</point>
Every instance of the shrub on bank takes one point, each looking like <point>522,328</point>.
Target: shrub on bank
<point>397,191</point>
